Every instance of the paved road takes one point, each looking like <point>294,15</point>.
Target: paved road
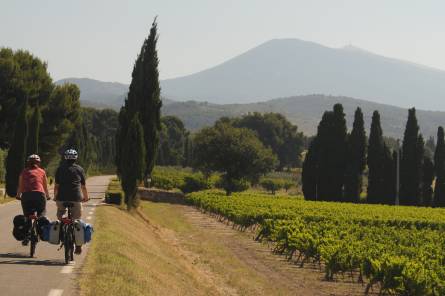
<point>46,274</point>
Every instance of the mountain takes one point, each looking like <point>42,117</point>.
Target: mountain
<point>289,67</point>
<point>306,113</point>
<point>99,94</point>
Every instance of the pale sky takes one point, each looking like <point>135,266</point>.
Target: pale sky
<point>100,39</point>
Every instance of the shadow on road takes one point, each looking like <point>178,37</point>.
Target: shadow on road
<point>22,259</point>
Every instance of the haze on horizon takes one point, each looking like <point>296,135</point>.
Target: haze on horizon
<point>100,39</point>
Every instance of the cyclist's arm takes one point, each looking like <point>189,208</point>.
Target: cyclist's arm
<point>85,193</point>
<point>45,187</point>
<point>56,190</point>
<point>20,188</point>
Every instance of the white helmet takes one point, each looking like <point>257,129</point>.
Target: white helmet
<point>34,157</point>
<point>70,154</point>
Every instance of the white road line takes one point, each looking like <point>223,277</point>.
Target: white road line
<point>55,292</point>
<point>90,213</point>
<point>68,268</point>
<point>89,218</point>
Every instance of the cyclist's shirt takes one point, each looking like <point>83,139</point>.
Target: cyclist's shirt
<point>70,177</point>
<point>33,179</point>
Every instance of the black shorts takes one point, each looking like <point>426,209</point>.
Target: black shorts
<point>32,202</point>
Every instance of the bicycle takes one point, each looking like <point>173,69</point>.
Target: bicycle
<point>67,234</point>
<point>32,235</point>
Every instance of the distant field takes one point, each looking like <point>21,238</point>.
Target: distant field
<point>398,250</point>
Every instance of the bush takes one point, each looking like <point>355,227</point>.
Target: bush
<point>194,183</point>
<point>272,185</point>
<point>114,197</point>
<point>232,185</point>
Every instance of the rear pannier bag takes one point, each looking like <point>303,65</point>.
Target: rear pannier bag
<point>51,232</point>
<point>42,223</point>
<point>79,232</point>
<point>88,230</point>
<point>21,227</point>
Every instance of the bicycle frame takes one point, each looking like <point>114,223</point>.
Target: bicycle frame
<point>32,234</point>
<point>68,236</point>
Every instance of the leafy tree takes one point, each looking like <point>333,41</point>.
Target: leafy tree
<point>32,146</point>
<point>439,167</point>
<point>22,77</point>
<point>133,162</point>
<point>60,116</point>
<point>427,181</point>
<point>332,154</point>
<point>376,156</point>
<point>356,159</point>
<point>15,161</point>
<point>411,162</point>
<point>236,152</point>
<point>276,132</point>
<point>172,141</point>
<point>144,96</point>
<point>309,174</point>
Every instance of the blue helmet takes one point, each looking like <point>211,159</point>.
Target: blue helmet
<point>70,154</point>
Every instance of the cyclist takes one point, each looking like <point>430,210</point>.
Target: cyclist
<point>33,188</point>
<point>70,186</point>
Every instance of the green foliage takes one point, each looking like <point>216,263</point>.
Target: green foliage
<point>144,96</point>
<point>272,185</point>
<point>3,154</point>
<point>133,162</point>
<point>309,175</point>
<point>195,182</point>
<point>172,144</point>
<point>32,146</point>
<point>376,161</point>
<point>398,249</point>
<point>439,167</point>
<point>411,162</point>
<point>427,181</point>
<point>15,161</point>
<point>356,159</point>
<point>235,152</point>
<point>60,117</point>
<point>277,133</point>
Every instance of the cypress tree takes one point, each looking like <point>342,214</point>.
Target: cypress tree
<point>376,151</point>
<point>388,177</point>
<point>427,181</point>
<point>15,161</point>
<point>309,174</point>
<point>32,146</point>
<point>144,96</point>
<point>411,162</point>
<point>121,134</point>
<point>133,161</point>
<point>356,159</point>
<point>439,167</point>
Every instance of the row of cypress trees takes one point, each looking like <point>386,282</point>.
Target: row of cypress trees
<point>137,136</point>
<point>335,163</point>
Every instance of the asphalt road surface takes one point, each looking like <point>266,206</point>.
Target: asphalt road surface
<point>46,274</point>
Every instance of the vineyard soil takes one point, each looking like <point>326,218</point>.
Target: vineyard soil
<point>230,260</point>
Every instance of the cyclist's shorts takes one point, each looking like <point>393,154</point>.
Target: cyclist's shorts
<point>32,202</point>
<point>76,210</point>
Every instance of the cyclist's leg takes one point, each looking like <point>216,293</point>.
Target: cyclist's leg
<point>60,209</point>
<point>76,211</point>
<point>27,204</point>
<point>40,204</point>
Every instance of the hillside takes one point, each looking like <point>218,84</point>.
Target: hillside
<point>289,67</point>
<point>306,112</point>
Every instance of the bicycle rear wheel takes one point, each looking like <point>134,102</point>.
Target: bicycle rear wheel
<point>33,241</point>
<point>66,245</point>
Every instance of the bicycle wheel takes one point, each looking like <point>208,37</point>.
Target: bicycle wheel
<point>66,246</point>
<point>72,245</point>
<point>33,241</point>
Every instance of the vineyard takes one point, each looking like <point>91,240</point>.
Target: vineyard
<point>394,250</point>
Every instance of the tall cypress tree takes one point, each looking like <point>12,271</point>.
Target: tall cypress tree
<point>133,161</point>
<point>32,146</point>
<point>439,166</point>
<point>121,134</point>
<point>356,159</point>
<point>411,162</point>
<point>309,174</point>
<point>427,181</point>
<point>15,161</point>
<point>388,178</point>
<point>144,96</point>
<point>375,160</point>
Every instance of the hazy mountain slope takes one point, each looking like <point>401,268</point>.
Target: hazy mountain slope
<point>306,112</point>
<point>99,93</point>
<point>289,67</point>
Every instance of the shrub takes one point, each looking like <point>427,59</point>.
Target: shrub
<point>195,182</point>
<point>272,185</point>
